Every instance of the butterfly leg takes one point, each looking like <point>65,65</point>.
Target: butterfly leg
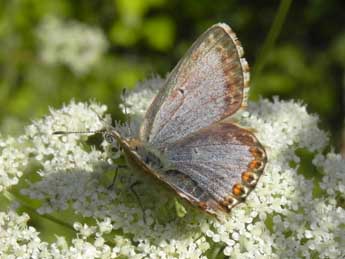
<point>138,198</point>
<point>115,175</point>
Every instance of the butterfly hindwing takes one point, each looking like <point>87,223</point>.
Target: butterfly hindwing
<point>206,86</point>
<point>215,167</point>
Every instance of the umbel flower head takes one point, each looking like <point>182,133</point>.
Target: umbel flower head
<point>295,211</point>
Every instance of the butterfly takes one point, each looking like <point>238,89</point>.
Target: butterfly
<point>186,140</point>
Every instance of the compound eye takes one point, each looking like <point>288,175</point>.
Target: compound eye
<point>109,138</point>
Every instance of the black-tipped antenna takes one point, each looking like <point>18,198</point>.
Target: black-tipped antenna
<point>61,132</point>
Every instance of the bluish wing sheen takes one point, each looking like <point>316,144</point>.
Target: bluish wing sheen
<point>205,87</point>
<point>208,163</point>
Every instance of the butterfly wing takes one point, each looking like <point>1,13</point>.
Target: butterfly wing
<point>215,167</point>
<point>206,86</point>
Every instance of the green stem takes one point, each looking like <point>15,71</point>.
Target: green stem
<point>272,36</point>
<point>15,197</point>
<point>216,251</point>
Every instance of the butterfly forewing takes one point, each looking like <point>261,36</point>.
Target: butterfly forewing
<point>210,163</point>
<point>206,86</point>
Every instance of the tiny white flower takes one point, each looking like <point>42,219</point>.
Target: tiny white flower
<point>105,226</point>
<point>308,234</point>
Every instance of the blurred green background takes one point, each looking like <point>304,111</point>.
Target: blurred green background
<point>55,51</point>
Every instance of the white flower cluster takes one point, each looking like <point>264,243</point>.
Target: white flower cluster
<point>13,160</point>
<point>18,240</point>
<point>290,214</point>
<point>71,43</point>
<point>140,98</point>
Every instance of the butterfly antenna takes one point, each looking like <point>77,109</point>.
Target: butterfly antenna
<point>62,132</point>
<point>100,118</point>
<point>128,119</point>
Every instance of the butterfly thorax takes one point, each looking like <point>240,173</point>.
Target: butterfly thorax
<point>141,155</point>
<point>150,155</point>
